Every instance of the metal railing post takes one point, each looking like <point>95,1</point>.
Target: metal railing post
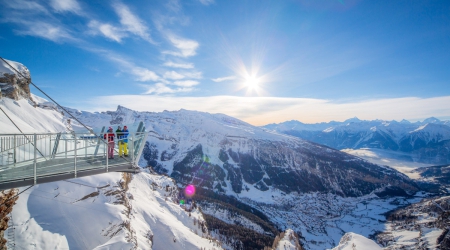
<point>14,159</point>
<point>66,147</point>
<point>106,147</point>
<point>35,160</point>
<point>75,159</point>
<point>132,150</point>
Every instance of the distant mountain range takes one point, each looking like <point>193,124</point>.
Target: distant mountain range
<point>426,142</point>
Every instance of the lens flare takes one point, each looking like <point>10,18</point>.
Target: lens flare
<point>189,190</point>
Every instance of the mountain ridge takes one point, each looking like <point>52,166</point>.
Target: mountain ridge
<point>426,142</point>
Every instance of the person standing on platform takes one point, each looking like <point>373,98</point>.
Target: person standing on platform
<point>109,137</point>
<point>124,146</point>
<point>119,134</point>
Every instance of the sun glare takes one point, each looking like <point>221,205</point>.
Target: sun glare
<point>251,82</point>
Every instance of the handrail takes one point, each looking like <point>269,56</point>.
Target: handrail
<point>65,156</point>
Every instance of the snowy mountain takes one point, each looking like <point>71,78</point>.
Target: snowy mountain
<point>252,182</point>
<point>352,241</point>
<point>427,141</point>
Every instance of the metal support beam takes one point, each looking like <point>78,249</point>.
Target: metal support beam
<point>35,160</point>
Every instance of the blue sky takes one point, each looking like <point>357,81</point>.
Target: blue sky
<point>258,60</point>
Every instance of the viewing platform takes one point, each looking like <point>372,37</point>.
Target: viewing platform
<point>29,159</point>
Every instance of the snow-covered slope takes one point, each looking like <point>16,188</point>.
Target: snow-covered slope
<point>28,118</point>
<point>352,241</point>
<point>288,241</point>
<point>98,212</point>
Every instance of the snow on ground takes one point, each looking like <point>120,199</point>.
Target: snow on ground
<point>28,118</point>
<point>399,161</point>
<point>288,242</point>
<point>230,217</point>
<point>89,213</point>
<point>5,68</point>
<point>352,241</point>
<point>158,213</point>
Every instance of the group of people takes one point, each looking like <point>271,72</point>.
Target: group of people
<point>122,139</point>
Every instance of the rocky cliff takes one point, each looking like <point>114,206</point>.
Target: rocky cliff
<point>14,85</point>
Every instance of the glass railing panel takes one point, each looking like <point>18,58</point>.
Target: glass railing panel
<point>36,155</point>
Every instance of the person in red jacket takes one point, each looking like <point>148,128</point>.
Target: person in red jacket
<point>109,137</point>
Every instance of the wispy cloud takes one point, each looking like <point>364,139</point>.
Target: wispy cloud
<point>173,75</point>
<point>222,79</point>
<point>144,75</point>
<point>186,47</point>
<point>49,31</point>
<point>206,2</point>
<point>66,6</point>
<point>131,22</point>
<point>173,5</point>
<point>179,65</point>
<point>140,74</point>
<point>265,110</point>
<point>24,6</point>
<point>109,31</point>
<point>193,75</point>
<point>187,83</point>
<point>161,88</point>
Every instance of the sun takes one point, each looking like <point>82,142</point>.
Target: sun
<point>251,82</point>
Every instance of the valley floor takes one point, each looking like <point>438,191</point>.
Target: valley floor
<point>399,161</point>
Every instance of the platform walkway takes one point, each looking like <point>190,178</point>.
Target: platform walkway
<point>27,159</point>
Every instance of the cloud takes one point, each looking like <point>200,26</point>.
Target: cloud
<point>49,31</point>
<point>144,75</point>
<point>187,83</point>
<point>131,22</point>
<point>161,88</point>
<point>265,110</point>
<point>206,2</point>
<point>222,79</point>
<point>141,74</point>
<point>179,65</point>
<point>173,5</point>
<point>24,6</point>
<point>186,47</point>
<point>194,75</point>
<point>65,5</point>
<point>109,31</point>
<point>173,75</point>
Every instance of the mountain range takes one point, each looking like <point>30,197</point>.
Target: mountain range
<point>426,142</point>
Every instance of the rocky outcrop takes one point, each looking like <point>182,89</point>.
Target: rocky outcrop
<point>13,85</point>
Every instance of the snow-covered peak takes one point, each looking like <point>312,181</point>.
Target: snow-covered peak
<point>354,119</point>
<point>288,241</point>
<point>352,241</point>
<point>431,120</point>
<point>5,68</point>
<point>14,85</point>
